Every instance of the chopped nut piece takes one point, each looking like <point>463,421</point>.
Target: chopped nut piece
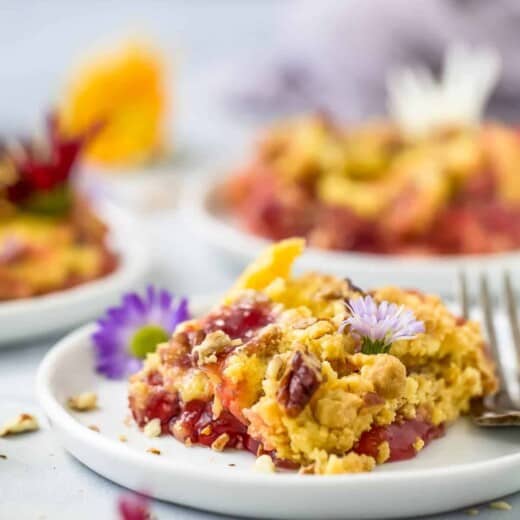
<point>217,407</point>
<point>83,402</point>
<point>214,343</point>
<point>274,368</point>
<point>501,505</point>
<point>303,323</point>
<point>20,424</point>
<point>472,512</point>
<point>301,379</point>
<point>123,438</point>
<point>265,341</point>
<point>220,442</point>
<point>206,430</point>
<point>154,451</point>
<point>264,464</point>
<point>153,428</point>
<point>94,428</point>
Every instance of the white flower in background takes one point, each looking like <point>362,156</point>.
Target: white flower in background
<point>419,103</point>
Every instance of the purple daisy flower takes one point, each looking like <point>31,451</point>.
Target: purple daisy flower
<point>379,325</point>
<point>125,334</point>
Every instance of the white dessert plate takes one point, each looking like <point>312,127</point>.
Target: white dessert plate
<point>31,317</point>
<point>431,274</point>
<point>465,467</point>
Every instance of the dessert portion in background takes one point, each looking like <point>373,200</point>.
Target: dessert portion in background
<point>311,372</point>
<point>124,90</point>
<point>375,189</point>
<point>432,179</point>
<point>50,237</point>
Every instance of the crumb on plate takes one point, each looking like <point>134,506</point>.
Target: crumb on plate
<point>153,451</point>
<point>152,428</point>
<point>501,505</point>
<point>84,402</point>
<point>93,427</point>
<point>264,464</point>
<point>22,423</point>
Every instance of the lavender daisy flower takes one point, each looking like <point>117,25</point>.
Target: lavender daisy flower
<point>125,334</point>
<point>379,325</point>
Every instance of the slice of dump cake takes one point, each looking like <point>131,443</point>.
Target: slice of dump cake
<point>278,368</point>
<point>50,236</point>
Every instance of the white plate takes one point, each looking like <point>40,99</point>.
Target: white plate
<point>431,274</point>
<point>465,467</point>
<point>31,317</point>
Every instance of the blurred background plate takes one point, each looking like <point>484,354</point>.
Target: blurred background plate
<point>436,274</point>
<point>32,317</point>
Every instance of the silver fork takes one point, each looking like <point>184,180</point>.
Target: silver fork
<point>501,408</point>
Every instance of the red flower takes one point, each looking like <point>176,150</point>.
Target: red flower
<point>43,170</point>
<point>133,507</point>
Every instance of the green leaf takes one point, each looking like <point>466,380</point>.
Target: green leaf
<point>53,202</point>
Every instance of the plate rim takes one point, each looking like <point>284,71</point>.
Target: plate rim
<point>58,415</point>
<point>219,232</point>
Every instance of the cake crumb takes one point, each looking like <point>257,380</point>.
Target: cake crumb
<point>153,428</point>
<point>383,452</point>
<point>418,445</point>
<point>231,465</point>
<point>128,421</point>
<point>472,511</point>
<point>154,451</point>
<point>220,442</point>
<point>501,505</point>
<point>20,424</point>
<point>264,464</point>
<point>2,456</point>
<point>123,438</point>
<point>93,427</point>
<point>84,402</point>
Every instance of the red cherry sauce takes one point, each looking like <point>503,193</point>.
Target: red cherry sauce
<point>400,436</point>
<point>241,319</point>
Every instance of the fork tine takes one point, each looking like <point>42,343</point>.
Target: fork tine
<point>463,294</point>
<point>487,309</point>
<point>512,313</point>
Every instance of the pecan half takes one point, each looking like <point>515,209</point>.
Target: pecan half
<point>301,379</point>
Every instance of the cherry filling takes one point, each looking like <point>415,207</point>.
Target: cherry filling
<point>197,424</point>
<point>240,320</point>
<point>400,436</point>
<point>161,405</point>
